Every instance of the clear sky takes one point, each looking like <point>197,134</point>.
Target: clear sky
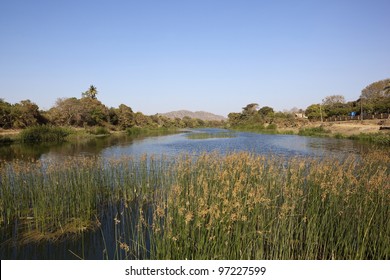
<point>212,55</point>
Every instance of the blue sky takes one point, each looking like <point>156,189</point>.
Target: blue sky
<point>217,56</point>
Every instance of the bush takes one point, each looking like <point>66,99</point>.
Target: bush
<point>100,130</point>
<point>134,131</point>
<point>5,140</point>
<point>375,138</point>
<point>43,134</point>
<point>272,126</point>
<point>313,131</point>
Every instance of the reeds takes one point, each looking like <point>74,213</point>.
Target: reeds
<point>205,135</point>
<point>43,133</point>
<point>235,206</point>
<point>314,131</point>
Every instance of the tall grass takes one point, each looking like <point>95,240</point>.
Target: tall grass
<point>375,138</point>
<point>205,135</point>
<point>252,207</point>
<point>43,134</point>
<point>99,130</point>
<point>238,206</point>
<point>314,131</point>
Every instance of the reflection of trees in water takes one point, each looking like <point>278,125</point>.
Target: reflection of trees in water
<point>35,151</point>
<point>84,146</point>
<point>24,151</point>
<point>339,145</point>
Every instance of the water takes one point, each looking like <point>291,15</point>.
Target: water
<point>210,140</point>
<point>102,243</point>
<point>217,140</point>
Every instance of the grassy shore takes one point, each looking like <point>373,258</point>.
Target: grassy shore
<point>238,206</point>
<point>366,131</point>
<point>360,131</point>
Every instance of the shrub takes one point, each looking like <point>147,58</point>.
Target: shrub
<point>375,138</point>
<point>272,126</point>
<point>100,130</point>
<point>313,131</point>
<point>133,131</point>
<point>5,140</point>
<point>43,134</point>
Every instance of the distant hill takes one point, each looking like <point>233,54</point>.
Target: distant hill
<point>206,116</point>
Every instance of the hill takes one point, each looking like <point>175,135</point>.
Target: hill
<point>206,116</point>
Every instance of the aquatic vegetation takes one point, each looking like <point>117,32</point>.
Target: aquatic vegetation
<point>43,133</point>
<point>314,131</point>
<point>252,207</point>
<point>205,135</point>
<point>235,206</point>
<point>99,130</point>
<point>5,140</point>
<point>140,131</point>
<point>375,138</point>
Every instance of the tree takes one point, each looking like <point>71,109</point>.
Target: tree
<point>79,112</point>
<point>125,116</point>
<point>91,92</point>
<point>250,108</point>
<point>335,105</point>
<point>375,97</point>
<point>314,111</point>
<point>6,120</point>
<point>333,99</point>
<point>94,112</point>
<point>25,113</point>
<point>67,111</point>
<point>376,90</point>
<point>266,111</point>
<point>234,118</point>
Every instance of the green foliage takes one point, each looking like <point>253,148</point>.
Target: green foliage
<point>314,112</point>
<point>125,116</point>
<point>314,131</point>
<point>272,126</point>
<point>144,131</point>
<point>205,135</point>
<point>266,111</point>
<point>20,115</point>
<point>250,108</point>
<point>43,134</point>
<point>4,140</point>
<point>99,130</point>
<point>374,99</point>
<point>90,93</point>
<point>374,138</point>
<point>79,112</point>
<point>134,131</point>
<point>6,120</point>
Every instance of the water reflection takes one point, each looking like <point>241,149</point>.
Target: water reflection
<point>118,225</point>
<point>192,142</point>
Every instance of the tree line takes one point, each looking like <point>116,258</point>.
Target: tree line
<point>88,111</point>
<point>374,99</point>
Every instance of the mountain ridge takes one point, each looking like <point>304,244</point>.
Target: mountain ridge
<point>203,115</point>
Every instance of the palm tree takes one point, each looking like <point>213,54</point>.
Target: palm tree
<point>91,92</point>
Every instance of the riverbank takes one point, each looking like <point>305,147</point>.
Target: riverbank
<point>346,128</point>
<point>363,130</point>
<point>349,128</point>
